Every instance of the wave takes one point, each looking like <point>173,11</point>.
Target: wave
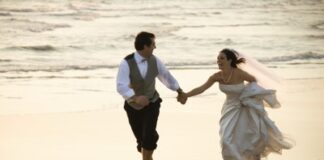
<point>45,48</point>
<point>5,60</point>
<point>33,48</point>
<point>241,25</point>
<point>5,14</point>
<point>298,59</point>
<point>77,15</point>
<point>306,78</point>
<point>288,59</point>
<point>304,63</point>
<point>171,66</point>
<point>225,25</point>
<point>319,26</point>
<point>301,56</point>
<point>206,63</point>
<point>58,68</point>
<point>31,7</point>
<point>54,77</point>
<point>316,36</point>
<point>31,26</point>
<point>17,10</point>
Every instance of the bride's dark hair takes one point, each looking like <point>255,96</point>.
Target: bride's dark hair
<point>231,54</point>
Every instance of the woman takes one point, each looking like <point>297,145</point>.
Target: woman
<point>245,129</point>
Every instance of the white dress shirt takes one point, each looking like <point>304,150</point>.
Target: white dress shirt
<point>123,79</point>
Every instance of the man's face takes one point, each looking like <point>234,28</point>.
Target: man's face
<point>149,49</point>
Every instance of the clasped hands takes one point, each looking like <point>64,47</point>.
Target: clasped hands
<point>182,98</point>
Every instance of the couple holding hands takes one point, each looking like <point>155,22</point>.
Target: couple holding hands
<point>246,131</point>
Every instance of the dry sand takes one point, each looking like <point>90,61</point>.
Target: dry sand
<point>186,132</point>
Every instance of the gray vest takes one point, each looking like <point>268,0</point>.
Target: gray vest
<point>143,86</point>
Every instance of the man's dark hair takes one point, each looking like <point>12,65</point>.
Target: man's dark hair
<point>143,38</point>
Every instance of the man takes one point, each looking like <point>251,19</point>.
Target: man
<point>136,84</point>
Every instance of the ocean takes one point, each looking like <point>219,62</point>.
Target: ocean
<point>63,55</point>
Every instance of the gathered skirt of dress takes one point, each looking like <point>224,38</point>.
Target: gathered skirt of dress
<point>246,134</point>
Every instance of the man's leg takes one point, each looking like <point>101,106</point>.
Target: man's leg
<point>147,154</point>
<point>150,135</point>
<point>135,119</point>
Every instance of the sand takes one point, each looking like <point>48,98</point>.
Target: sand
<point>187,132</point>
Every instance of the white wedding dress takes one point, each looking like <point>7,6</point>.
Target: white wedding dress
<point>246,131</point>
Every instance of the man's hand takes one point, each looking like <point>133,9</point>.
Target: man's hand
<point>141,100</point>
<point>138,102</point>
<point>182,98</point>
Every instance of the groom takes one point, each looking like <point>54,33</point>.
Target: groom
<point>136,84</point>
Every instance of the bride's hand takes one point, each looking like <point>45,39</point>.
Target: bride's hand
<point>182,98</point>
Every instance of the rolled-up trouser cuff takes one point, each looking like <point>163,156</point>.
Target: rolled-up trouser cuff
<point>151,143</point>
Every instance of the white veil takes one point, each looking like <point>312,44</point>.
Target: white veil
<point>265,77</point>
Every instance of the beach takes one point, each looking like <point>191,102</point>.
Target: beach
<point>59,60</point>
<point>186,131</point>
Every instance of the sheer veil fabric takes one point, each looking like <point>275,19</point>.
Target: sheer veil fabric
<point>265,78</point>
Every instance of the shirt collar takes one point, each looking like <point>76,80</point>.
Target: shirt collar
<point>138,57</point>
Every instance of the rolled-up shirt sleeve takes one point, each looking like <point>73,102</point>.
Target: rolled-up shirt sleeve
<point>123,81</point>
<point>165,76</point>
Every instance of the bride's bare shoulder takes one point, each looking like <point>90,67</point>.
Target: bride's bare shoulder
<point>245,75</point>
<point>216,76</point>
<point>239,70</point>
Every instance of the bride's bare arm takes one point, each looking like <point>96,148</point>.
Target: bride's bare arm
<point>211,80</point>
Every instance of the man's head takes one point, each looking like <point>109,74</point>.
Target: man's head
<point>145,43</point>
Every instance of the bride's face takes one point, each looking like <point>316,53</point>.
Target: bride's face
<point>222,61</point>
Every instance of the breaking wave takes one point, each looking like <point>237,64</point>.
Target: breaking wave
<point>301,56</point>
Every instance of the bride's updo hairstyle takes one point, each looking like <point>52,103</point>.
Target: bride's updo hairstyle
<point>231,54</point>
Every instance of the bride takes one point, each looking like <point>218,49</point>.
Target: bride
<point>246,131</point>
